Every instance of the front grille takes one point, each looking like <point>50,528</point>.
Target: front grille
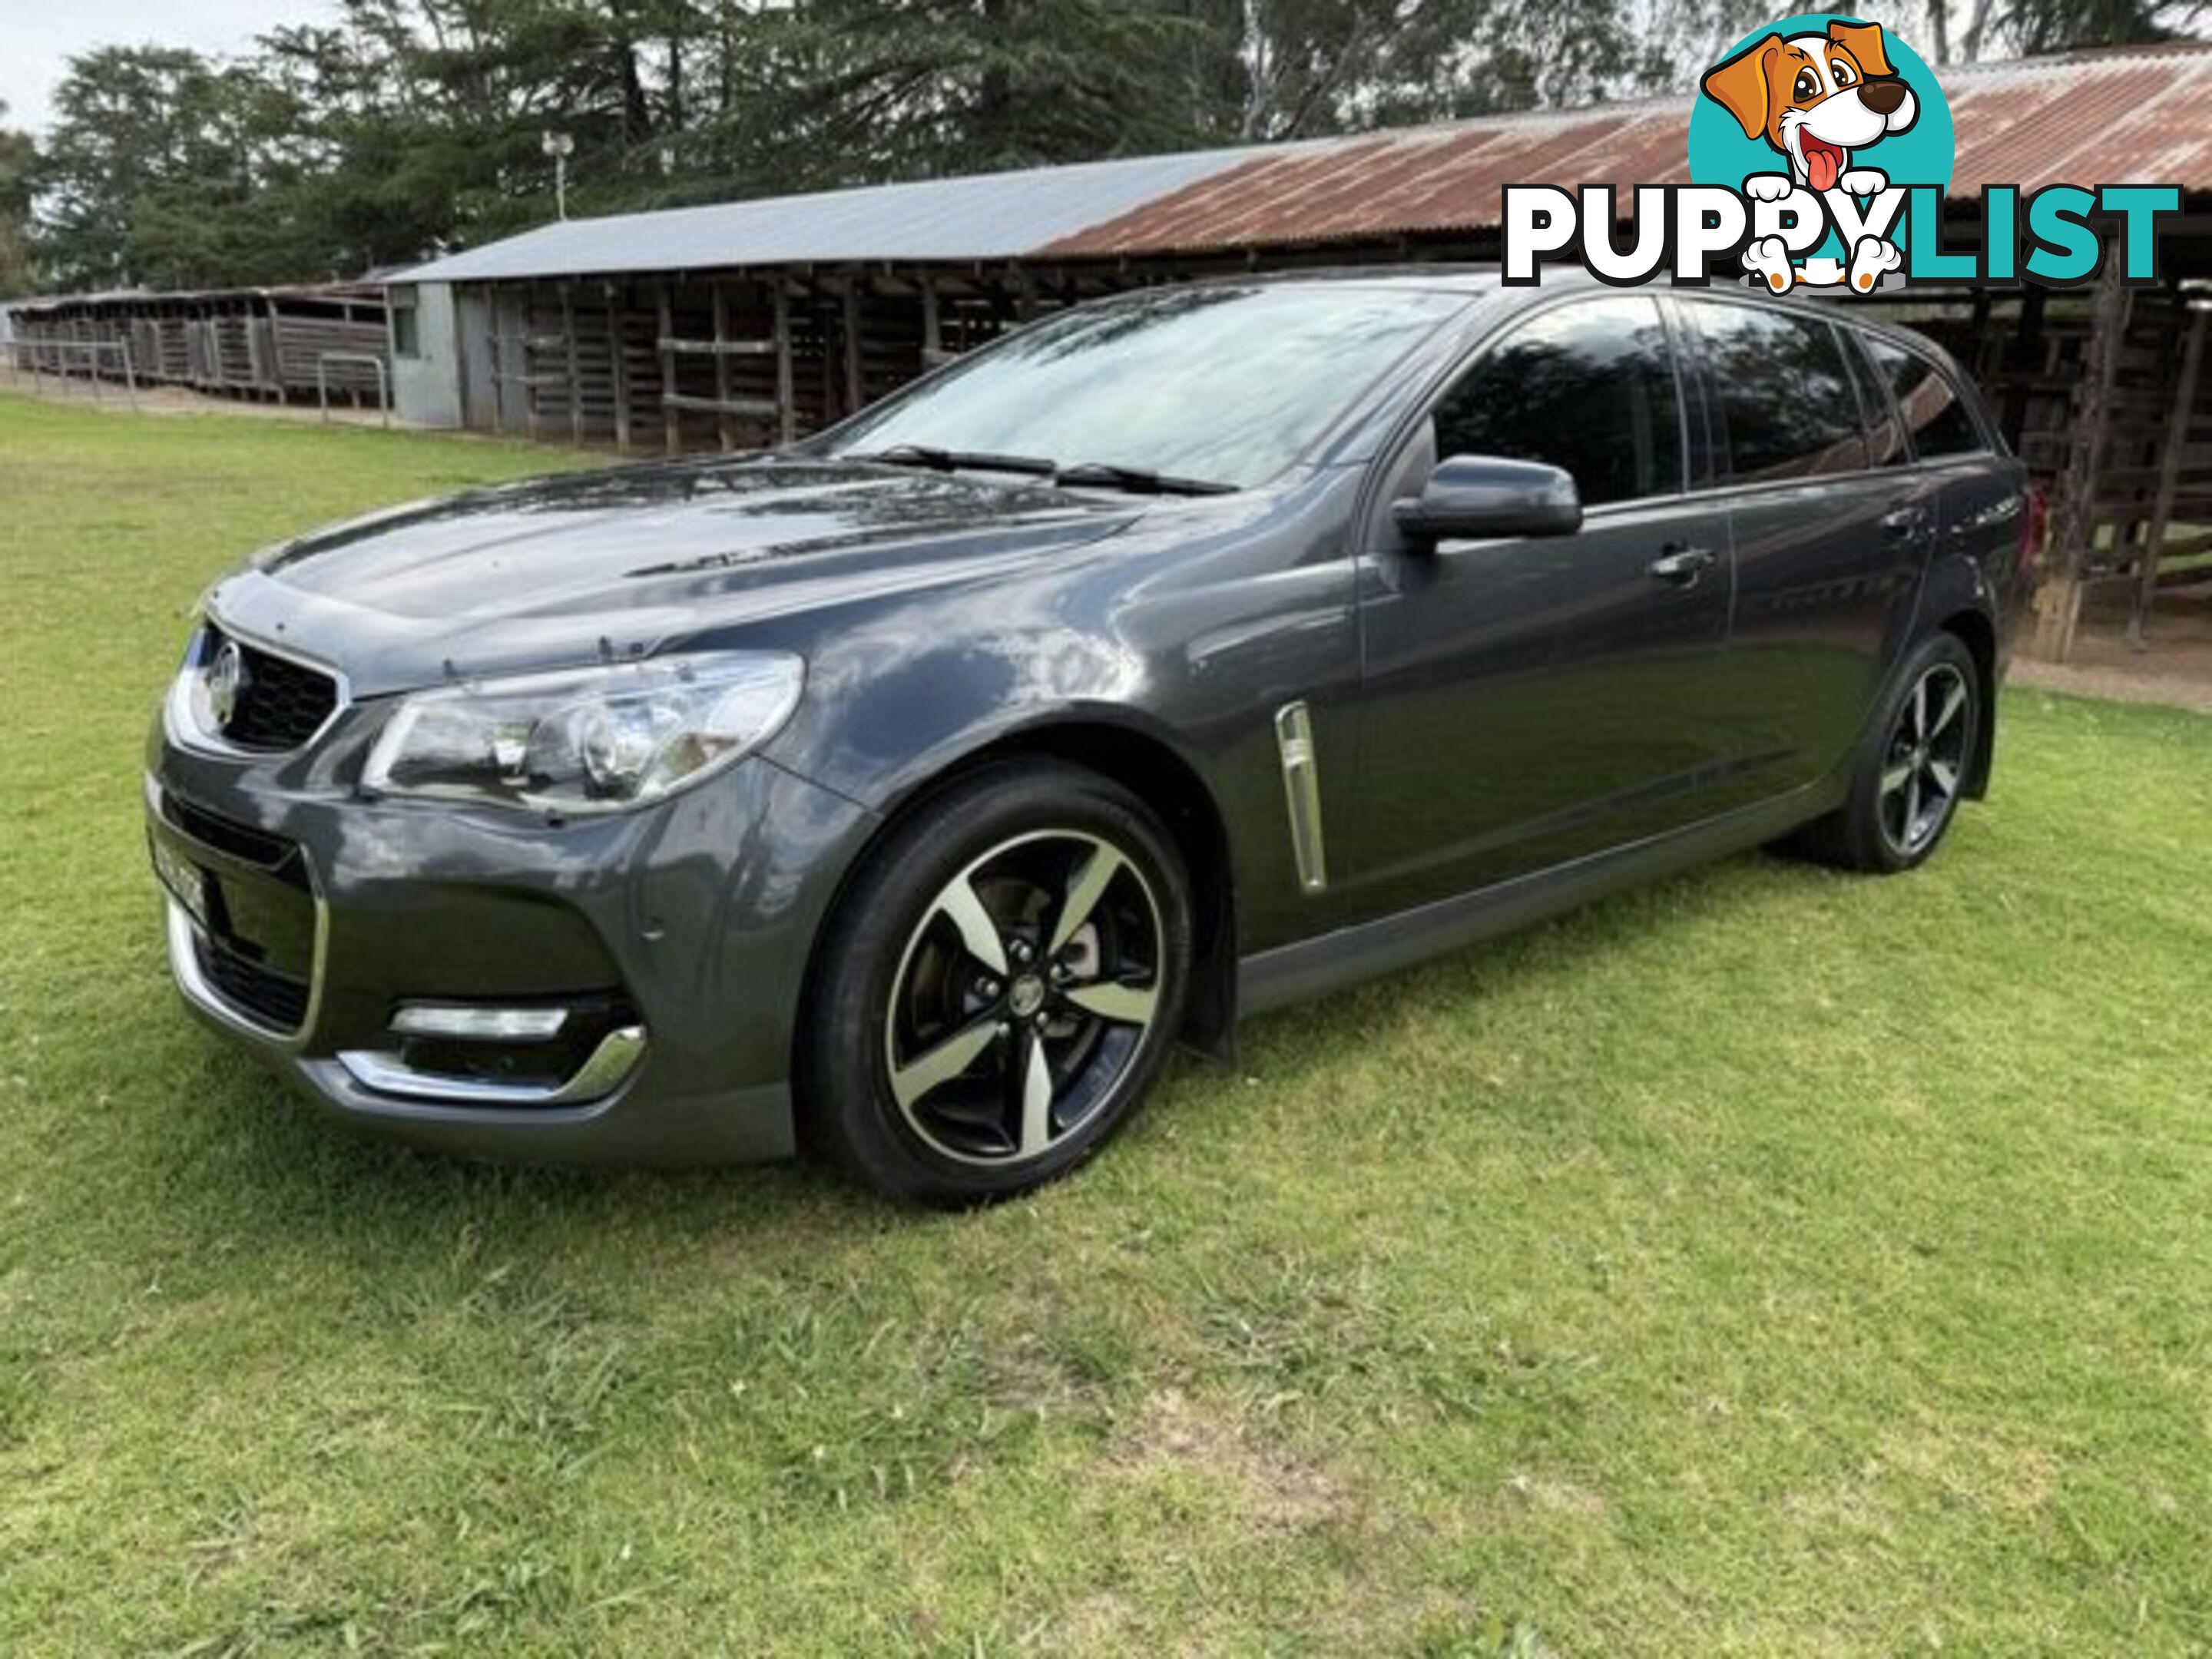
<point>278,1000</point>
<point>280,704</point>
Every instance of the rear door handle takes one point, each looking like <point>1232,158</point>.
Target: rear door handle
<point>1683,565</point>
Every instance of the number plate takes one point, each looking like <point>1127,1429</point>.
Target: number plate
<point>186,882</point>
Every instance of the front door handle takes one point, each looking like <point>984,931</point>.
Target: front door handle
<point>1906,521</point>
<point>1682,566</point>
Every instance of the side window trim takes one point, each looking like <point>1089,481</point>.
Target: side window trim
<point>1677,367</point>
<point>1971,404</point>
<point>1925,355</point>
<point>1873,389</point>
<point>1701,469</point>
<point>1866,343</point>
<point>1847,350</point>
<point>1720,455</point>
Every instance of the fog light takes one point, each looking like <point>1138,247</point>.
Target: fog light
<point>462,1022</point>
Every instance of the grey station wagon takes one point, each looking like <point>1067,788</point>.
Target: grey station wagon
<point>906,794</point>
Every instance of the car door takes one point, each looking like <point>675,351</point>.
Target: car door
<point>1829,545</point>
<point>1978,507</point>
<point>1527,701</point>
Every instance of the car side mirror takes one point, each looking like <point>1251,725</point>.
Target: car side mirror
<point>1470,497</point>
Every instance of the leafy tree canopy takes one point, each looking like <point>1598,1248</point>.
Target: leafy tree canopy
<point>407,126</point>
<point>18,158</point>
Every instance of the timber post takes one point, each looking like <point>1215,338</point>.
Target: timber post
<point>2058,601</point>
<point>2177,421</point>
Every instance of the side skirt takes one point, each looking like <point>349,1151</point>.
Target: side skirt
<point>1311,967</point>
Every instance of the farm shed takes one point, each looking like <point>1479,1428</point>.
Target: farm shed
<point>751,322</point>
<point>748,322</point>
<point>267,343</point>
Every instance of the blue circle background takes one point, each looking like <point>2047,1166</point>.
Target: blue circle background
<point>1720,155</point>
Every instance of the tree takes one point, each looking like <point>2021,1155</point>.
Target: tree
<point>2033,28</point>
<point>1946,31</point>
<point>401,128</point>
<point>1303,68</point>
<point>122,128</point>
<point>19,160</point>
<point>164,169</point>
<point>848,91</point>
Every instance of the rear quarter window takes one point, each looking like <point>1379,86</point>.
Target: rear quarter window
<point>1937,421</point>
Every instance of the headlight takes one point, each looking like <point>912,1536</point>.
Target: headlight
<point>592,740</point>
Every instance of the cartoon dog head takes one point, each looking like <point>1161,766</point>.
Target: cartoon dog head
<point>1816,97</point>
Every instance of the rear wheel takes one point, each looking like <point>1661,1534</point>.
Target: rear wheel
<point>1000,988</point>
<point>1912,772</point>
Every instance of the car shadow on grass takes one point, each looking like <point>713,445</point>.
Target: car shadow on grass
<point>249,1162</point>
<point>258,1166</point>
<point>1296,1045</point>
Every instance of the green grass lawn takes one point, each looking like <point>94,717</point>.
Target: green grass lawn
<point>1769,1262</point>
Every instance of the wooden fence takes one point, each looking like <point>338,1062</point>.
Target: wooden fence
<point>2101,391</point>
<point>250,343</point>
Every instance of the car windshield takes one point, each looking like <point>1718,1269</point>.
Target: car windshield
<point>1222,385</point>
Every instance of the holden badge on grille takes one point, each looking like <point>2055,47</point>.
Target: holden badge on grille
<point>226,683</point>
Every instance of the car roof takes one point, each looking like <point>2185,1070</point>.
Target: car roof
<point>1557,277</point>
<point>1463,279</point>
<point>1485,282</point>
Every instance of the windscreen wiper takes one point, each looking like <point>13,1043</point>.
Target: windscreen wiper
<point>954,460</point>
<point>1104,474</point>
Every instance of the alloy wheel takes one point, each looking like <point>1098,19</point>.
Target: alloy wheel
<point>1925,760</point>
<point>1023,997</point>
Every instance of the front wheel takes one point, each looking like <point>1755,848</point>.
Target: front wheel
<point>1001,987</point>
<point>1912,771</point>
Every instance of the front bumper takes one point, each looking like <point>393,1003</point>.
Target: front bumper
<point>679,935</point>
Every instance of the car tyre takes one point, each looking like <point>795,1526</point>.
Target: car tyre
<point>1912,765</point>
<point>999,988</point>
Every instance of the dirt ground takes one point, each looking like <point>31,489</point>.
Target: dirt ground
<point>2175,667</point>
<point>177,400</point>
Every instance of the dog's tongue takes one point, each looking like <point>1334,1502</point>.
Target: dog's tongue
<point>1823,163</point>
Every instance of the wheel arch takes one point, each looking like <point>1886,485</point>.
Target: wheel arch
<point>1973,628</point>
<point>1151,769</point>
<point>1958,599</point>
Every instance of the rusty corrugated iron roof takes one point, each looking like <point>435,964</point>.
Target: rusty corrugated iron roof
<point>2131,115</point>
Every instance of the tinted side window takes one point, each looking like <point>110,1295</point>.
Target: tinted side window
<point>1785,396</point>
<point>1589,387</point>
<point>1936,419</point>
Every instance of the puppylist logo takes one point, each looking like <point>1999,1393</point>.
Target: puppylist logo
<point>1820,152</point>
